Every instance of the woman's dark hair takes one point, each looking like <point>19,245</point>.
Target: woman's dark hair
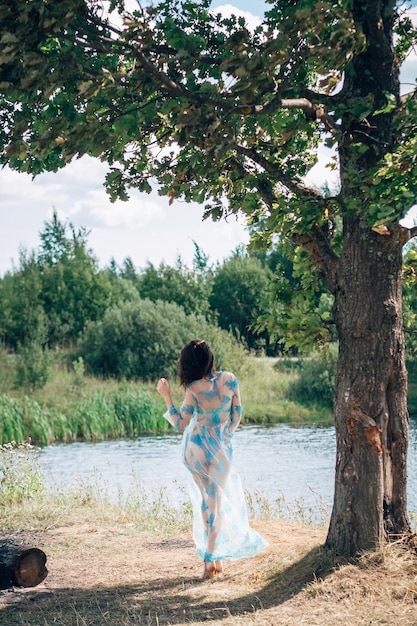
<point>196,360</point>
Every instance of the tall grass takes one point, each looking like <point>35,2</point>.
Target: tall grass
<point>126,412</point>
<point>20,476</point>
<point>73,406</point>
<point>259,505</point>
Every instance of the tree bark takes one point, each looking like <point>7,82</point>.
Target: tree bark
<point>371,418</point>
<point>21,566</point>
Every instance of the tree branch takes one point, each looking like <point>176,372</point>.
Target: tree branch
<point>312,111</point>
<point>278,175</point>
<point>316,243</point>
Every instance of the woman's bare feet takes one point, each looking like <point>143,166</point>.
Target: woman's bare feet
<point>209,570</point>
<point>219,567</point>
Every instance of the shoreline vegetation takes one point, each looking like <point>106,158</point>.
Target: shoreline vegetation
<point>135,563</point>
<point>73,406</point>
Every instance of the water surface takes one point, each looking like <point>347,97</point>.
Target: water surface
<point>279,461</point>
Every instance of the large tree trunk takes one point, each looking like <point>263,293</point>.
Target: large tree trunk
<point>21,566</point>
<point>371,415</point>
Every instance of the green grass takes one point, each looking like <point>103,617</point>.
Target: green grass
<point>265,397</point>
<point>73,406</point>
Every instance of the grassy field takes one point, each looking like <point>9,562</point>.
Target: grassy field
<point>136,565</point>
<point>73,406</point>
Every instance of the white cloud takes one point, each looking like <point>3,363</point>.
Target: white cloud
<point>146,227</point>
<point>135,213</point>
<point>229,9</point>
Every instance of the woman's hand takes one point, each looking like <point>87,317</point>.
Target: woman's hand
<point>164,389</point>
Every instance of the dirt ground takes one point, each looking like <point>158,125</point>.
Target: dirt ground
<point>106,574</point>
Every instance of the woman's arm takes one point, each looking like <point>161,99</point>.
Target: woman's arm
<point>178,419</point>
<point>164,389</point>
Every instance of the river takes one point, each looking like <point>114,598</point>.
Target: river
<point>294,465</point>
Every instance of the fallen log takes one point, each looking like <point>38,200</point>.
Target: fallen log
<point>21,566</point>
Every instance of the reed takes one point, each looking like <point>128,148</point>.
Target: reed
<point>73,406</point>
<point>126,412</point>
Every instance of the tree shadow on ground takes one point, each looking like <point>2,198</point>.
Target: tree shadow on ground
<point>180,600</point>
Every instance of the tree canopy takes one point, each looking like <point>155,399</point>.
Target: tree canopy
<point>213,111</point>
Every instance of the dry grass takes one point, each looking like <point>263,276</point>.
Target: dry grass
<point>109,572</point>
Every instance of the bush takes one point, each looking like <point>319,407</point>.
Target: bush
<point>142,340</point>
<point>317,375</point>
<point>33,367</point>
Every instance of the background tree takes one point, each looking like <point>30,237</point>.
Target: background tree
<point>49,298</point>
<point>22,314</point>
<point>74,290</point>
<point>237,117</point>
<point>176,284</point>
<point>239,285</point>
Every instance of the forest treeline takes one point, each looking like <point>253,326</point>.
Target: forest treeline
<point>127,324</point>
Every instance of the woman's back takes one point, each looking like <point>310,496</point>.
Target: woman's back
<point>216,398</point>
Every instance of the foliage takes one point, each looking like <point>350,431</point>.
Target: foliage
<point>33,365</point>
<point>238,286</point>
<point>316,380</point>
<point>22,315</point>
<point>70,409</point>
<point>296,307</point>
<point>142,340</point>
<point>237,115</point>
<point>234,111</point>
<point>176,284</point>
<point>52,294</point>
<point>73,289</point>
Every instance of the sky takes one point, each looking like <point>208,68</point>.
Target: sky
<point>145,228</point>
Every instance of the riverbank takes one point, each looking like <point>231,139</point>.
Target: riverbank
<point>106,571</point>
<point>72,406</point>
<point>131,564</point>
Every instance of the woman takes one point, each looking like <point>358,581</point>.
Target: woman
<point>209,415</point>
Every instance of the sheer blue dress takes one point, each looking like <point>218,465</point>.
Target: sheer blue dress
<point>210,413</point>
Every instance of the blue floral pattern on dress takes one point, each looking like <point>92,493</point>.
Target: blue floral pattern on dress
<point>209,415</point>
